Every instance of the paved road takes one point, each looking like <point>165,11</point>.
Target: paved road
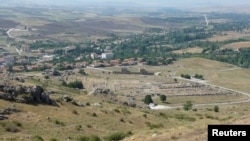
<point>8,33</point>
<point>10,36</point>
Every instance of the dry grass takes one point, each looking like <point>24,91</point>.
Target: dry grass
<point>236,45</point>
<point>189,50</point>
<point>228,36</point>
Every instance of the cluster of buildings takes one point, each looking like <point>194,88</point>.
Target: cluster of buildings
<point>108,55</point>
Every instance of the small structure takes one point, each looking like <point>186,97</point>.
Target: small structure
<point>25,48</point>
<point>93,55</point>
<point>9,59</point>
<point>140,72</point>
<point>48,57</point>
<point>107,55</point>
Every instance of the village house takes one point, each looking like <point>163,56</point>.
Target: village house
<point>8,60</point>
<point>94,56</point>
<point>115,62</point>
<point>81,64</point>
<point>47,57</point>
<point>107,55</point>
<point>25,48</point>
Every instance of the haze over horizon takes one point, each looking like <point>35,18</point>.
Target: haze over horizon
<point>129,3</point>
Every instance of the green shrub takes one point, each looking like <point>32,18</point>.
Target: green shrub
<point>216,108</point>
<point>79,127</point>
<point>17,123</point>
<point>163,98</point>
<point>89,126</point>
<point>188,105</point>
<point>94,138</point>
<point>116,136</point>
<point>148,99</point>
<point>91,138</point>
<point>153,126</point>
<point>58,122</point>
<point>187,76</point>
<point>53,139</point>
<point>117,110</point>
<point>12,128</point>
<point>184,117</point>
<point>37,138</point>
<point>75,112</point>
<point>83,138</point>
<point>94,115</point>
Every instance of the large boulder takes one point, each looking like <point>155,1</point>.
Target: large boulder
<point>36,93</point>
<point>19,89</point>
<point>24,94</point>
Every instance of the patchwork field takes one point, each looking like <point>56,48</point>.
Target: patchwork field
<point>189,50</point>
<point>237,45</point>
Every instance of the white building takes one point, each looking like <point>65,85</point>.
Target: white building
<point>93,55</point>
<point>107,55</point>
<point>48,57</point>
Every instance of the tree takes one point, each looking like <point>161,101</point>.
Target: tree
<point>46,77</point>
<point>148,99</point>
<point>10,68</point>
<point>163,98</point>
<point>188,105</point>
<point>81,71</point>
<point>216,108</point>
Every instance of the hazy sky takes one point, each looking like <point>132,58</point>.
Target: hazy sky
<point>148,3</point>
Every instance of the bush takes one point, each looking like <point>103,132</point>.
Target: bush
<point>74,84</point>
<point>163,98</point>
<point>75,112</point>
<point>83,138</point>
<point>57,122</point>
<point>184,117</point>
<point>79,127</point>
<point>18,124</point>
<point>188,105</point>
<point>122,120</point>
<point>216,108</point>
<point>117,136</point>
<point>89,126</point>
<point>153,126</point>
<point>117,110</point>
<point>91,138</point>
<point>81,71</point>
<point>148,99</point>
<point>94,138</point>
<point>53,139</point>
<point>199,76</point>
<point>94,115</point>
<point>37,138</point>
<point>187,76</point>
<point>12,128</point>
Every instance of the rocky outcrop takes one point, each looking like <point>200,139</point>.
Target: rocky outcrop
<point>24,94</point>
<point>69,99</point>
<point>7,111</point>
<point>102,91</point>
